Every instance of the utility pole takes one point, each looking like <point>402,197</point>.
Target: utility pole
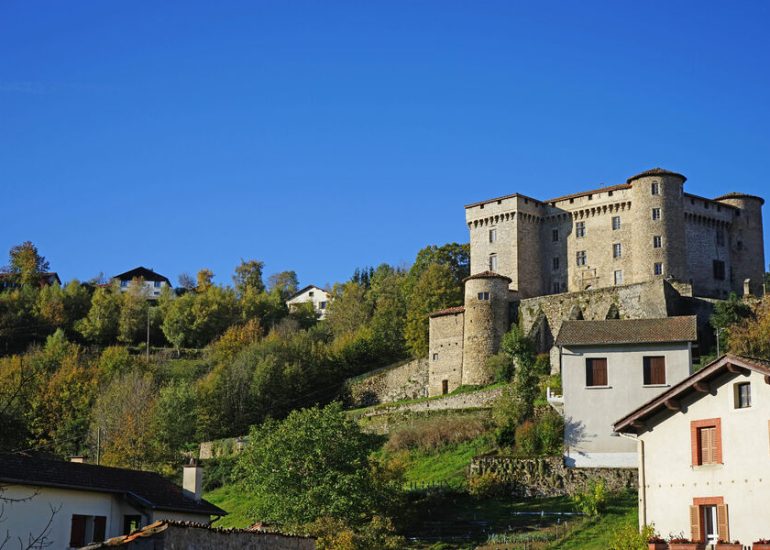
<point>148,334</point>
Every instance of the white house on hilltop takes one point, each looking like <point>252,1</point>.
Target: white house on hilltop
<point>311,293</point>
<point>153,282</point>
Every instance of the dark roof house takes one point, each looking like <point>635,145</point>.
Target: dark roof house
<point>141,273</point>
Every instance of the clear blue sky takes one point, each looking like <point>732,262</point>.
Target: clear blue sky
<point>321,136</point>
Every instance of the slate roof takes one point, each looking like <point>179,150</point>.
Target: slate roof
<point>628,331</point>
<point>448,311</point>
<point>148,489</point>
<point>141,272</point>
<point>591,192</point>
<point>488,275</point>
<point>697,382</point>
<point>656,172</point>
<point>739,196</point>
<point>302,290</point>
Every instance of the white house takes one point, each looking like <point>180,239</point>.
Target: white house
<point>313,294</point>
<point>608,367</point>
<point>153,282</point>
<point>704,452</point>
<point>70,504</point>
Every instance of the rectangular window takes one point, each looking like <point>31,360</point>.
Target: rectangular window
<point>658,268</point>
<point>581,257</point>
<point>596,371</point>
<point>555,263</point>
<point>100,528</point>
<point>706,441</point>
<point>556,287</point>
<point>435,356</point>
<point>483,295</point>
<point>618,277</point>
<point>657,241</point>
<point>742,395</point>
<point>655,188</point>
<point>444,387</point>
<point>493,235</point>
<point>554,235</point>
<point>719,270</point>
<point>131,523</point>
<point>493,262</point>
<point>124,284</point>
<point>656,213</point>
<point>78,531</point>
<point>654,371</point>
<point>156,284</point>
<point>580,230</point>
<point>615,223</point>
<point>720,237</point>
<point>321,305</point>
<point>616,250</point>
<point>310,293</point>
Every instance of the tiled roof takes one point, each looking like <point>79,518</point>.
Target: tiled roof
<point>591,192</point>
<point>699,382</point>
<point>448,311</point>
<point>628,331</point>
<point>488,275</point>
<point>655,172</point>
<point>302,290</point>
<point>739,196</point>
<point>142,272</point>
<point>151,489</point>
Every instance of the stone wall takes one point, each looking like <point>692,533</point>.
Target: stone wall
<point>471,400</point>
<point>183,537</point>
<point>393,383</point>
<point>445,352</point>
<point>549,477</point>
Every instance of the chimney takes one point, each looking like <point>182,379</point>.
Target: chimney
<point>79,459</point>
<point>192,480</point>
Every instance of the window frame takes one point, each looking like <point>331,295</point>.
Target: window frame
<point>655,269</point>
<point>615,226</point>
<point>590,370</point>
<point>581,257</point>
<point>655,188</point>
<point>617,250</point>
<point>555,264</point>
<point>696,431</point>
<point>656,214</point>
<point>618,277</point>
<point>719,270</point>
<point>554,234</point>
<point>738,397</point>
<point>483,296</point>
<point>580,230</point>
<point>493,235</point>
<point>648,372</point>
<point>657,241</point>
<point>493,262</point>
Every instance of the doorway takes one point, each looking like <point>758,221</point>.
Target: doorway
<point>709,522</point>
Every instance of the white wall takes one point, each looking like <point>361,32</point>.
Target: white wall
<point>743,479</point>
<point>318,298</point>
<point>149,288</point>
<point>590,411</point>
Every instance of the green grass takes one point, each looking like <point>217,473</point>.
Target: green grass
<point>236,503</point>
<point>447,466</point>
<point>595,533</point>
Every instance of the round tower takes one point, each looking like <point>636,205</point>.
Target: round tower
<point>657,206</point>
<point>746,242</point>
<point>486,321</point>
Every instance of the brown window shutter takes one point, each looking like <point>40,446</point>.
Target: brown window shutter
<point>100,528</point>
<point>723,529</point>
<point>602,365</point>
<point>78,531</point>
<point>695,530</point>
<point>658,370</point>
<point>714,447</point>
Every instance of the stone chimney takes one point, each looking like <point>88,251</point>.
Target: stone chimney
<point>192,480</point>
<point>79,459</point>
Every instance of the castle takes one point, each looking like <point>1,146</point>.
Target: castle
<point>642,249</point>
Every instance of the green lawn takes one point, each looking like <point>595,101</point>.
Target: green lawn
<point>233,501</point>
<point>447,466</point>
<point>595,534</point>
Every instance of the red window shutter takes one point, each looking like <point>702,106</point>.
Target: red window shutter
<point>695,530</point>
<point>78,531</point>
<point>723,529</point>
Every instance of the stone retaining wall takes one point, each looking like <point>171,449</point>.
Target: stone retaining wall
<point>401,381</point>
<point>481,399</point>
<point>549,477</point>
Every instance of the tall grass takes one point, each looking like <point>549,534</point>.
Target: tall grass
<point>431,434</point>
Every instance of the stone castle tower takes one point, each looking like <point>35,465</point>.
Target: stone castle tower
<point>641,249</point>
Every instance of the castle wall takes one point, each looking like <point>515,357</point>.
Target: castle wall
<point>407,380</point>
<point>703,249</point>
<point>486,321</point>
<point>445,354</point>
<point>747,243</point>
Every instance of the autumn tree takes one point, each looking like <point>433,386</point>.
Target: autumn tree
<point>248,274</point>
<point>286,282</point>
<point>101,324</point>
<point>26,264</point>
<point>348,309</point>
<point>134,311</point>
<point>204,279</point>
<point>751,336</point>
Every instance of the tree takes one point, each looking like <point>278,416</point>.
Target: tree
<point>751,336</point>
<point>727,314</point>
<point>186,281</point>
<point>457,257</point>
<point>134,309</point>
<point>286,282</point>
<point>248,274</point>
<point>100,326</point>
<point>349,309</point>
<point>204,280</point>
<point>26,263</point>
<point>174,419</point>
<point>388,295</point>
<point>313,464</point>
<point>268,308</point>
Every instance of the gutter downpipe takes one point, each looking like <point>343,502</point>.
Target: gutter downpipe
<point>642,480</point>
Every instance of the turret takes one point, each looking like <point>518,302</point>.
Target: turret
<point>658,212</point>
<point>486,321</point>
<point>746,242</point>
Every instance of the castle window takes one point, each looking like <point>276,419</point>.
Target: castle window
<point>556,287</point>
<point>590,197</point>
<point>581,257</point>
<point>435,356</point>
<point>484,296</point>
<point>706,205</point>
<point>615,223</point>
<point>618,277</point>
<point>719,270</point>
<point>609,193</point>
<point>554,235</point>
<point>655,188</point>
<point>572,201</point>
<point>656,213</point>
<point>493,235</point>
<point>657,241</point>
<point>493,262</point>
<point>616,250</point>
<point>580,230</point>
<point>720,237</point>
<point>658,268</point>
<point>556,263</point>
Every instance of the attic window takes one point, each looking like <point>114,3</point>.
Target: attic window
<point>481,207</point>
<point>590,197</point>
<point>499,202</point>
<point>609,193</point>
<point>571,201</point>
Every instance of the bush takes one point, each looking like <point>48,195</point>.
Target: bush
<point>500,366</point>
<point>592,500</point>
<point>550,433</point>
<point>487,485</point>
<point>542,366</point>
<point>433,433</point>
<point>628,537</point>
<point>526,439</point>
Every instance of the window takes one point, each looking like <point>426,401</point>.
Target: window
<point>706,441</point>
<point>654,371</point>
<point>556,287</point>
<point>719,270</point>
<point>596,371</point>
<point>657,241</point>
<point>310,293</point>
<point>655,188</point>
<point>86,529</point>
<point>742,395</point>
<point>618,277</point>
<point>444,387</point>
<point>656,213</point>
<point>708,520</point>
<point>616,250</point>
<point>493,262</point>
<point>156,284</point>
<point>493,235</point>
<point>554,235</point>
<point>435,356</point>
<point>720,237</point>
<point>124,284</point>
<point>581,257</point>
<point>555,263</point>
<point>483,295</point>
<point>615,223</point>
<point>321,305</point>
<point>658,268</point>
<point>78,531</point>
<point>131,523</point>
<point>580,230</point>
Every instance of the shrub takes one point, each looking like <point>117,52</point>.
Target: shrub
<point>550,433</point>
<point>592,500</point>
<point>433,433</point>
<point>628,537</point>
<point>501,367</point>
<point>542,366</point>
<point>487,485</point>
<point>526,438</point>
